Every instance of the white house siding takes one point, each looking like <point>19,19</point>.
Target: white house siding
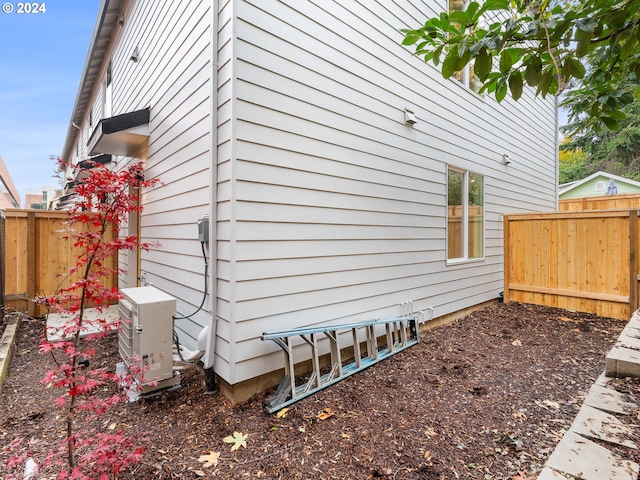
<point>224,175</point>
<point>338,208</point>
<point>173,76</point>
<point>328,208</point>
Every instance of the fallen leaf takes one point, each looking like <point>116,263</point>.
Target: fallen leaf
<point>430,433</point>
<point>199,473</point>
<point>238,439</point>
<point>346,435</point>
<point>551,404</point>
<point>282,413</point>
<point>516,343</point>
<point>427,454</point>
<point>112,426</point>
<point>326,413</point>
<point>302,429</point>
<point>210,459</point>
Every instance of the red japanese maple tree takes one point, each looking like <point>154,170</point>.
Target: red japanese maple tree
<point>91,449</point>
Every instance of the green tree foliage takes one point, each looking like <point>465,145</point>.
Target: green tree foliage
<point>616,152</point>
<point>592,46</point>
<point>572,162</point>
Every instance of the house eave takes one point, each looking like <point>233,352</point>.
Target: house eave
<point>105,27</point>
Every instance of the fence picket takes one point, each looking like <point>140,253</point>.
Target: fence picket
<point>36,256</point>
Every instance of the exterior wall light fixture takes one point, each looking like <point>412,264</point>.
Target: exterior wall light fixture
<point>135,55</point>
<point>409,117</point>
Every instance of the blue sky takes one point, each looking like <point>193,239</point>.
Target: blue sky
<point>41,60</point>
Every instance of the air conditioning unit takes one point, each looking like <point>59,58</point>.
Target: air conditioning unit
<point>145,338</point>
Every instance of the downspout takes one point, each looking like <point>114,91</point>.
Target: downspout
<point>138,233</point>
<point>209,356</point>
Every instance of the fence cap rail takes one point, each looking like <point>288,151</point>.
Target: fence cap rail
<point>575,214</point>
<point>24,213</point>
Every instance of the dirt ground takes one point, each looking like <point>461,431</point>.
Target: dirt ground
<point>487,397</point>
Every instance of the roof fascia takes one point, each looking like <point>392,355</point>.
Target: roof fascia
<point>92,65</point>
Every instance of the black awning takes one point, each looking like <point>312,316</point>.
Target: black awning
<point>126,134</point>
<point>103,159</point>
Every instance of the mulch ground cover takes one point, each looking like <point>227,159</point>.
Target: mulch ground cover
<point>487,397</point>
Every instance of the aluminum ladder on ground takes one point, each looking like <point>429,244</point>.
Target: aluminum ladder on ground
<point>367,344</point>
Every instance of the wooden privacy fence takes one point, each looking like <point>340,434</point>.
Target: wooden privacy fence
<point>584,261</point>
<point>36,257</point>
<point>600,202</point>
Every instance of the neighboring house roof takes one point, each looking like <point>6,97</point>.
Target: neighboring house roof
<point>9,197</point>
<point>108,17</point>
<point>577,188</point>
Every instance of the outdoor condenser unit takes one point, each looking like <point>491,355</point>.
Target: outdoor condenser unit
<point>146,337</point>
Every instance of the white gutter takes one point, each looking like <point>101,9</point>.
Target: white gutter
<point>106,23</point>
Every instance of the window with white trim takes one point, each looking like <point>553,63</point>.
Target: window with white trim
<point>107,99</point>
<point>465,215</point>
<point>466,76</point>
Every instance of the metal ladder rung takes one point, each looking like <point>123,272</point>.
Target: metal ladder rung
<point>399,334</point>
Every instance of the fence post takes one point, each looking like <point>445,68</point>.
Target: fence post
<point>31,263</point>
<point>506,262</point>
<point>633,261</point>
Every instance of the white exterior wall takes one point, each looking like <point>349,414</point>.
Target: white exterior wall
<point>173,77</point>
<point>328,208</point>
<point>339,208</point>
<point>225,178</point>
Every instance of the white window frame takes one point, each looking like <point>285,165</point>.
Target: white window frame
<point>465,218</point>
<point>107,104</point>
<point>465,77</point>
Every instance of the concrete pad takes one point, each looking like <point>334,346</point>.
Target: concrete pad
<point>622,362</point>
<point>634,321</point>
<point>586,460</point>
<point>550,474</point>
<point>631,331</point>
<point>56,321</point>
<point>608,400</point>
<point>603,380</point>
<point>628,341</point>
<point>595,423</point>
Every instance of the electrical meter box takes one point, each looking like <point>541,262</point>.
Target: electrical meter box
<point>145,339</point>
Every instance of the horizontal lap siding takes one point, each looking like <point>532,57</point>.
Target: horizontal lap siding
<point>224,346</point>
<point>339,208</point>
<point>173,78</point>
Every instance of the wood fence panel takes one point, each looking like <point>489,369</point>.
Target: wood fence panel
<point>38,258</point>
<point>16,259</point>
<point>584,261</point>
<point>626,201</point>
